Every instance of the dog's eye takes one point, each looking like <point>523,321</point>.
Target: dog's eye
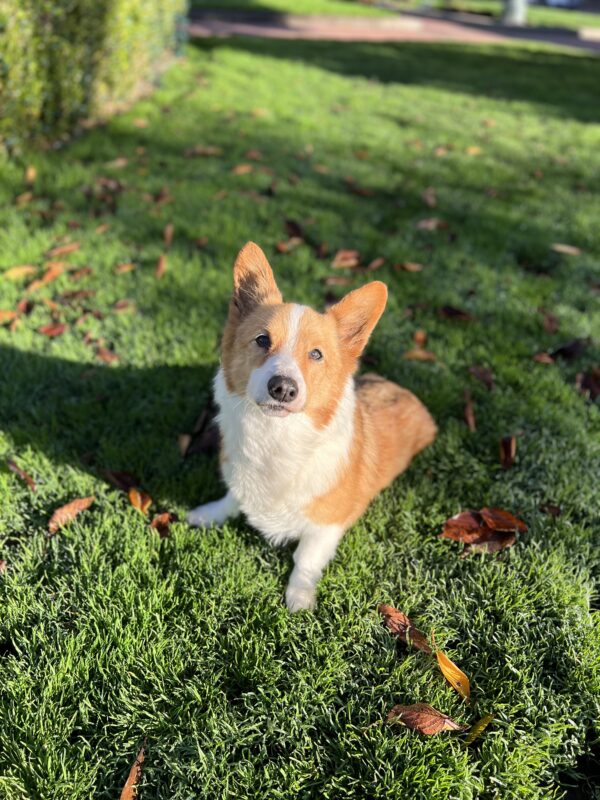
<point>316,355</point>
<point>263,341</point>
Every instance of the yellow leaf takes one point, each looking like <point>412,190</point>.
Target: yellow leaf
<point>455,676</point>
<point>478,728</point>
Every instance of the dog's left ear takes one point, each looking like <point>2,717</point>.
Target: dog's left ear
<point>357,314</point>
<point>253,280</point>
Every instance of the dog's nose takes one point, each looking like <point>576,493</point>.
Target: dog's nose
<point>282,388</point>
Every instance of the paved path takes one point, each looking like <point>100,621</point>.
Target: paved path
<point>403,28</point>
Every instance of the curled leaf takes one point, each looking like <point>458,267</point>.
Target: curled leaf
<point>499,520</point>
<point>67,513</point>
<point>346,259</point>
<point>22,474</point>
<point>400,625</point>
<point>162,522</point>
<point>478,728</point>
<point>418,354</point>
<point>508,451</point>
<point>63,249</point>
<point>129,791</point>
<point>140,500</point>
<point>469,412</point>
<point>455,676</point>
<point>423,718</point>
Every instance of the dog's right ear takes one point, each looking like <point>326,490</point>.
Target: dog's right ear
<point>253,280</point>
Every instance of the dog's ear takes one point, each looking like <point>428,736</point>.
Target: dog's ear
<point>253,280</point>
<point>357,314</point>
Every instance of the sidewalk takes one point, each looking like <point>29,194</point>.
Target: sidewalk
<point>408,27</point>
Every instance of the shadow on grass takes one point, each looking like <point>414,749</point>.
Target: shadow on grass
<point>561,82</point>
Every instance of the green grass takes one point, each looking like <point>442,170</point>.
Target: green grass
<point>109,635</point>
<point>347,8</point>
<point>539,16</point>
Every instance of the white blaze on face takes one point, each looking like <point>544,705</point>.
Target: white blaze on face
<point>281,363</point>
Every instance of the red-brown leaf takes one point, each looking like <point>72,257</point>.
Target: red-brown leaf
<point>67,513</point>
<point>106,355</point>
<point>53,329</point>
<point>463,527</point>
<point>7,316</point>
<point>140,500</point>
<point>543,358</point>
<point>63,249</point>
<point>346,259</point>
<point>469,412</point>
<point>400,625</point>
<point>242,169</point>
<point>204,151</point>
<point>499,520</point>
<point>408,266</point>
<point>168,234</point>
<point>129,791</point>
<point>16,273</point>
<point>483,374</point>
<point>423,718</point>
<point>508,451</point>
<point>431,224</point>
<point>588,383</point>
<point>451,312</point>
<point>549,321</point>
<point>162,522</point>
<point>571,350</point>
<point>22,474</point>
<point>161,266</point>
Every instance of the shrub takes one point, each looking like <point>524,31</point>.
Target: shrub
<point>64,61</point>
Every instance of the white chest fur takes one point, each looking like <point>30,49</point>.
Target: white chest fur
<point>275,466</point>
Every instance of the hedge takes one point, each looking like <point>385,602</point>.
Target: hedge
<point>64,61</point>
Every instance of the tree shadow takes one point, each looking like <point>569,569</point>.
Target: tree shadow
<point>562,83</point>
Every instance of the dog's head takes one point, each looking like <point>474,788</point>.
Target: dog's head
<point>288,358</point>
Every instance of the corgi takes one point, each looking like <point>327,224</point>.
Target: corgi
<point>304,446</point>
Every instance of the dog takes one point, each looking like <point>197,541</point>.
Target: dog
<point>304,446</point>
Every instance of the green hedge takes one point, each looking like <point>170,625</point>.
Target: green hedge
<point>63,61</point>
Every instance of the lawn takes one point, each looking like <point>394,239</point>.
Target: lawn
<point>344,8</point>
<point>539,16</point>
<point>108,634</point>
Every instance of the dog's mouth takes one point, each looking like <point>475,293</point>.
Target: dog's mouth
<point>274,409</point>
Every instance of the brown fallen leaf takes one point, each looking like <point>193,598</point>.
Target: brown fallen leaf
<point>551,509</point>
<point>140,500</point>
<point>337,280</point>
<point>203,151</point>
<point>571,350</point>
<point>242,169</point>
<point>469,411</point>
<point>492,543</point>
<point>78,274</point>
<point>183,442</point>
<point>455,676</point>
<point>67,513</point>
<point>63,249</point>
<point>431,224</point>
<point>566,249</point>
<point>205,439</point>
<point>423,718</point>
<point>291,244</point>
<point>499,520</point>
<point>53,329</point>
<point>483,374</point>
<point>508,451</point>
<point>253,155</point>
<point>478,728</point>
<point>168,234</point>
<point>161,266</point>
<point>588,383</point>
<point>25,306</point>
<point>124,305</point>
<point>24,198</point>
<point>401,626</point>
<point>127,267</point>
<point>30,175</point>
<point>429,197</point>
<point>356,188</point>
<point>451,312</point>
<point>129,791</point>
<point>408,266</point>
<point>420,337</point>
<point>375,264</point>
<point>3,566</point>
<point>106,355</point>
<point>22,474</point>
<point>102,228</point>
<point>16,273</point>
<point>162,522</point>
<point>550,321</point>
<point>463,527</point>
<point>7,317</point>
<point>473,150</point>
<point>418,354</point>
<point>543,358</point>
<point>346,259</point>
<point>293,229</point>
<point>121,480</point>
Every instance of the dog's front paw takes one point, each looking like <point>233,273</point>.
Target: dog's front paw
<point>298,599</point>
<point>203,516</point>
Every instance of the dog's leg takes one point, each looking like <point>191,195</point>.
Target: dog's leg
<point>315,550</point>
<point>214,513</point>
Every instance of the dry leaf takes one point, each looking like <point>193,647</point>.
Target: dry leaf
<point>346,259</point>
<point>7,316</point>
<point>63,249</point>
<point>140,500</point>
<point>205,151</point>
<point>431,224</point>
<point>161,266</point>
<point>451,312</point>
<point>423,718</point>
<point>30,175</point>
<point>291,244</point>
<point>106,355</point>
<point>337,280</point>
<point>22,474</point>
<point>418,354</point>
<point>463,527</point>
<point>508,451</point>
<point>129,791</point>
<point>253,155</point>
<point>16,273</point>
<point>588,383</point>
<point>242,169</point>
<point>543,358</point>
<point>429,197</point>
<point>124,305</point>
<point>469,412</point>
<point>293,229</point>
<point>161,523</point>
<point>483,374</point>
<point>401,626</point>
<point>420,337</point>
<point>408,266</point>
<point>128,267</point>
<point>117,163</point>
<point>3,566</point>
<point>549,321</point>
<point>375,264</point>
<point>168,234</point>
<point>473,150</point>
<point>499,520</point>
<point>67,513</point>
<point>566,249</point>
<point>24,198</point>
<point>103,228</point>
<point>53,330</point>
<point>551,509</point>
<point>455,676</point>
<point>478,728</point>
